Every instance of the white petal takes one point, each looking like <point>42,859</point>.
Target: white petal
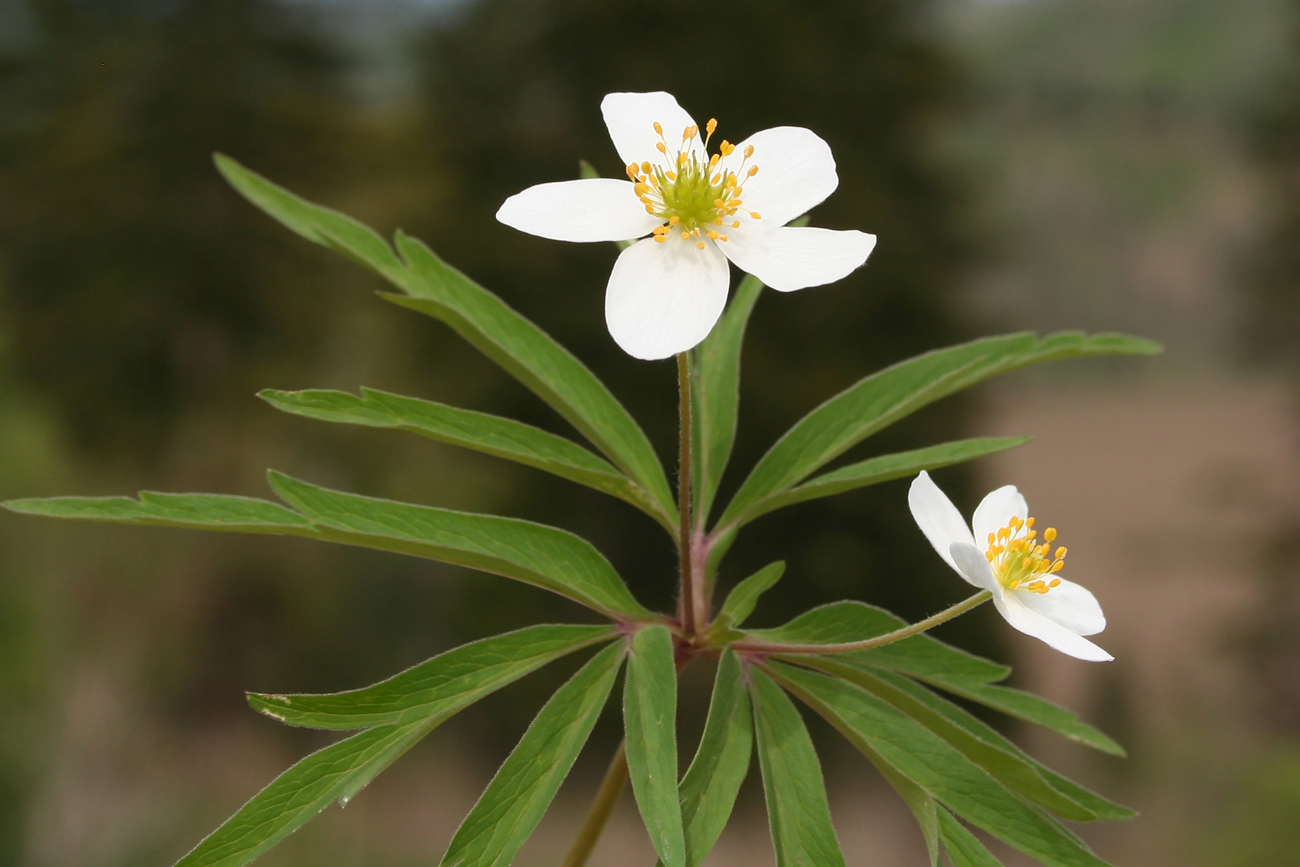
<point>1069,604</point>
<point>795,172</point>
<point>594,209</point>
<point>937,517</point>
<point>995,510</point>
<point>789,258</point>
<point>1045,629</point>
<point>974,567</point>
<point>630,119</point>
<point>663,299</point>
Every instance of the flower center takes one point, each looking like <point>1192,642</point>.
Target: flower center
<point>1018,563</point>
<point>692,197</point>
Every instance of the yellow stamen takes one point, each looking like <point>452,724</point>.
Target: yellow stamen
<point>658,128</point>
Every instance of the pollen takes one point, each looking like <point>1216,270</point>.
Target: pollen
<point>1021,565</point>
<point>690,190</point>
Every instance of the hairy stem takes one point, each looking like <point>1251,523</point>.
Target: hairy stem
<point>611,789</point>
<point>772,647</point>
<point>689,590</point>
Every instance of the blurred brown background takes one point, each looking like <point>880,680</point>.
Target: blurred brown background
<point>1102,164</point>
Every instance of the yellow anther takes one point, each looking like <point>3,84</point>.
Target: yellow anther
<point>1024,564</point>
<point>713,236</point>
<point>1060,553</point>
<point>1015,523</point>
<point>1004,533</point>
<point>753,170</point>
<point>736,224</point>
<point>686,236</point>
<point>749,152</point>
<point>641,189</point>
<point>1057,566</point>
<point>659,239</point>
<point>674,220</point>
<point>989,555</point>
<point>1030,522</point>
<point>1014,584</point>
<point>700,245</point>
<point>717,221</point>
<point>672,176</point>
<point>726,148</point>
<point>713,161</point>
<point>754,215</point>
<point>715,178</point>
<point>1050,534</point>
<point>646,167</point>
<point>659,129</point>
<point>711,126</point>
<point>1056,582</point>
<point>723,238</point>
<point>718,203</point>
<point>649,209</point>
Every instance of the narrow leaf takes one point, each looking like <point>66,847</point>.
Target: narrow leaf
<point>1031,708</point>
<point>935,766</point>
<point>886,468</point>
<point>533,553</point>
<point>319,225</point>
<point>744,596</point>
<point>918,800</point>
<point>885,397</point>
<point>976,741</point>
<point>964,848</point>
<point>797,813</point>
<point>195,511</point>
<point>715,393</point>
<point>457,678</point>
<point>513,342</point>
<point>508,811</point>
<point>297,795</point>
<point>650,722</point>
<point>530,355</point>
<point>490,434</point>
<point>708,791</point>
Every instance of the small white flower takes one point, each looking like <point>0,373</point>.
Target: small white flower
<point>1000,553</point>
<point>667,290</point>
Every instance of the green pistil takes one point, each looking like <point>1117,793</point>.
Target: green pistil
<point>690,197</point>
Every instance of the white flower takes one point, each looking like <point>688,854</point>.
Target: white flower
<point>667,290</point>
<point>1001,556</point>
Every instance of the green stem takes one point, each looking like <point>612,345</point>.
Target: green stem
<point>689,591</point>
<point>611,789</point>
<point>771,647</point>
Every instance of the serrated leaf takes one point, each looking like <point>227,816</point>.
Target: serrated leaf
<point>513,342</point>
<point>715,394</point>
<point>650,723</point>
<point>337,772</point>
<point>740,602</point>
<point>934,765</point>
<point>919,656</point>
<point>191,511</point>
<point>976,741</point>
<point>530,355</point>
<point>456,678</point>
<point>797,813</point>
<point>490,434</point>
<point>885,468</point>
<point>533,553</point>
<point>708,791</point>
<point>508,811</point>
<point>963,848</point>
<point>885,397</point>
<point>317,224</point>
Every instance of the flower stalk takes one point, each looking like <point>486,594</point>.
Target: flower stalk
<point>602,807</point>
<point>773,648</point>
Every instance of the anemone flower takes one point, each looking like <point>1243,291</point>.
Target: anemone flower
<point>693,212</point>
<point>1000,552</point>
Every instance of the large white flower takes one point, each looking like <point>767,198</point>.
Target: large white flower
<point>1000,553</point>
<point>667,290</point>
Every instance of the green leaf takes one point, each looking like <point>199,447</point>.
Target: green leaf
<point>530,355</point>
<point>963,848</point>
<point>708,791</point>
<point>319,225</point>
<point>457,678</point>
<point>193,511</point>
<point>338,771</point>
<point>886,468</point>
<point>976,741</point>
<point>797,813</point>
<point>1031,708</point>
<point>918,800</point>
<point>508,811</point>
<point>744,596</point>
<point>935,766</point>
<point>490,434</point>
<point>919,656</point>
<point>715,394</point>
<point>533,553</point>
<point>650,722</point>
<point>519,346</point>
<point>885,397</point>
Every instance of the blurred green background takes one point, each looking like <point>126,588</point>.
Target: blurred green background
<point>1046,164</point>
